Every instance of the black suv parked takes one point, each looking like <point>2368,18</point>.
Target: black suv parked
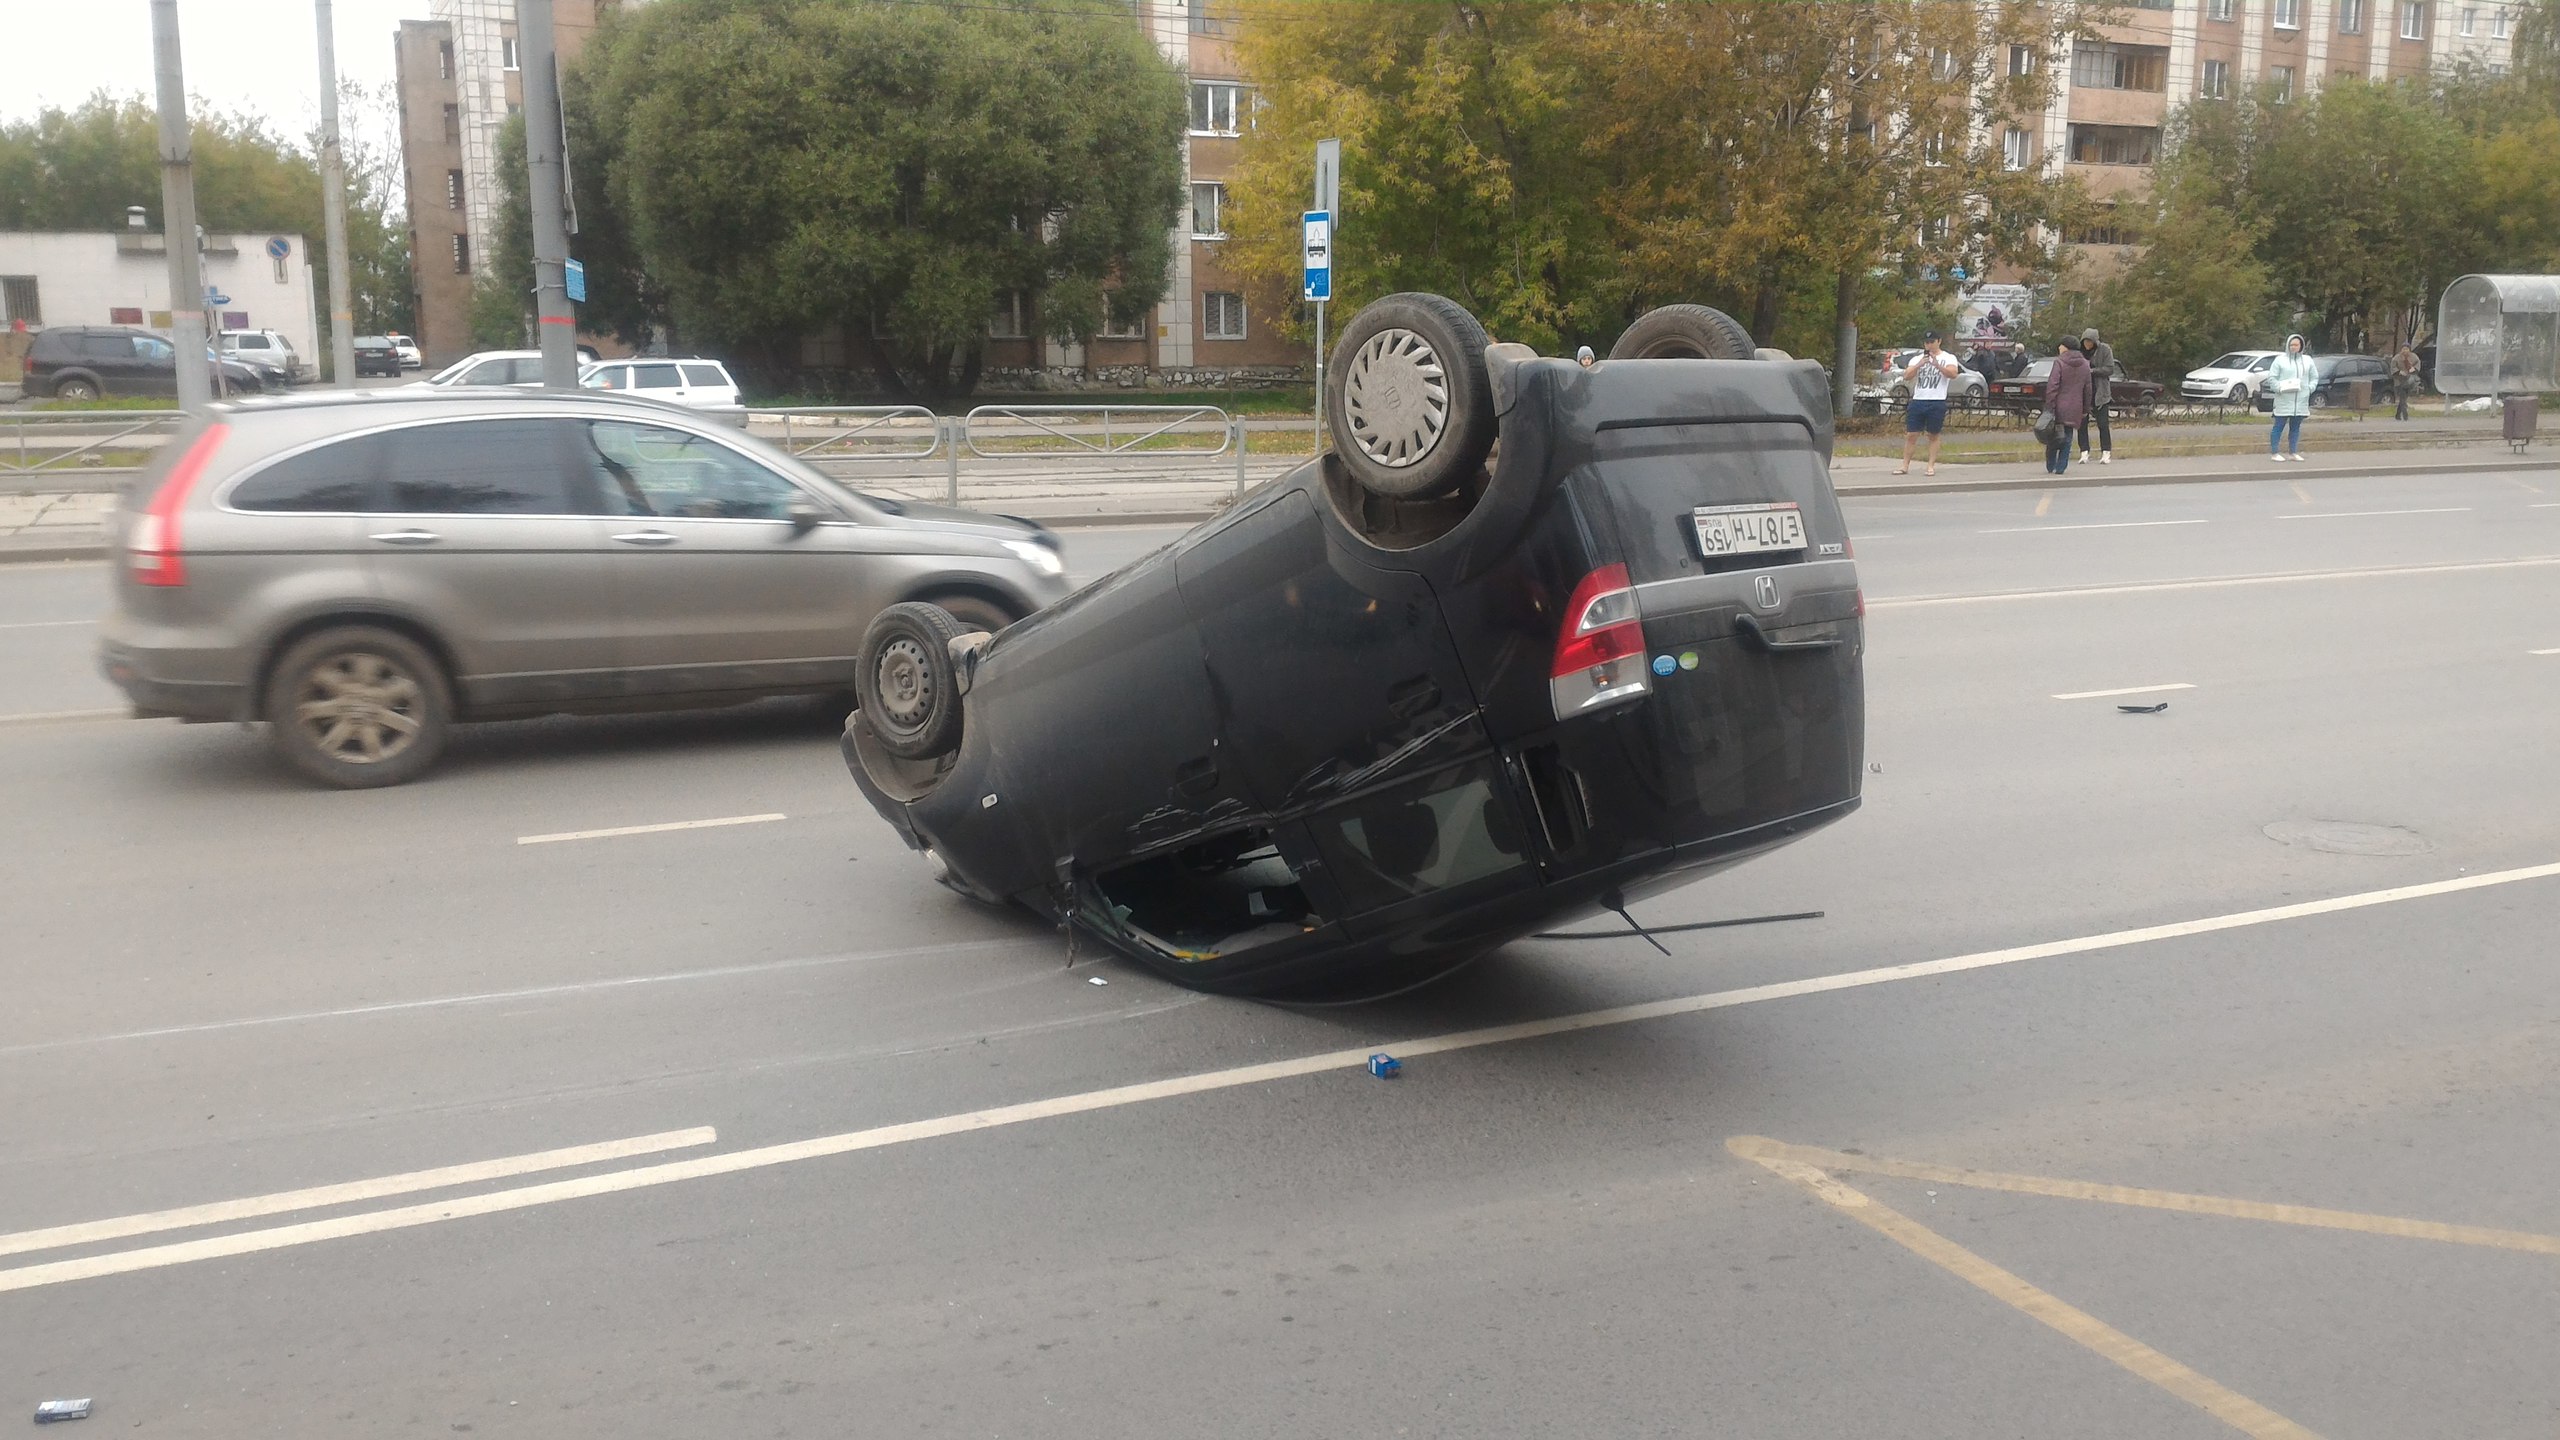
<point>1425,694</point>
<point>84,362</point>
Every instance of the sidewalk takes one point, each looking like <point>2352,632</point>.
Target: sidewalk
<point>72,526</point>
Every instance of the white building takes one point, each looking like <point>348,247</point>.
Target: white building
<point>121,277</point>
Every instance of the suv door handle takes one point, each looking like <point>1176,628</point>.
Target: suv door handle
<point>645,537</point>
<point>408,537</point>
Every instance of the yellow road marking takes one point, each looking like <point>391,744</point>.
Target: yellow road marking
<point>2186,1204</point>
<point>2214,1398</point>
<point>2044,506</point>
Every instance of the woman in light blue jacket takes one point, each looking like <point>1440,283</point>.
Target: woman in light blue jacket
<point>2290,381</point>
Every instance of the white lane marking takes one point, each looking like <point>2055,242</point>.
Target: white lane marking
<point>2544,505</point>
<point>2216,582</point>
<point>62,717</point>
<point>2543,652</point>
<point>43,624</point>
<point>642,1177</point>
<point>649,829</point>
<point>2364,514</point>
<point>499,997</point>
<point>2109,525</point>
<point>2128,690</point>
<point>186,1217</point>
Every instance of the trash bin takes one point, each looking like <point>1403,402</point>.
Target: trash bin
<point>2521,415</point>
<point>2359,394</point>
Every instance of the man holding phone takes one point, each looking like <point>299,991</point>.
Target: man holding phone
<point>1927,375</point>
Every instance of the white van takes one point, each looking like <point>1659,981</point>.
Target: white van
<point>694,383</point>
<point>265,351</point>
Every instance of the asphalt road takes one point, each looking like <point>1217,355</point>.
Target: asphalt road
<point>894,1167</point>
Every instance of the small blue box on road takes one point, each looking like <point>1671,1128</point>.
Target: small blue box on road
<point>1384,1066</point>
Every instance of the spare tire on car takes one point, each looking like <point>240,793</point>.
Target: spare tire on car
<point>907,683</point>
<point>1407,397</point>
<point>1684,332</point>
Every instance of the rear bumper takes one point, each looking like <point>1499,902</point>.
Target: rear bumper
<point>156,695</point>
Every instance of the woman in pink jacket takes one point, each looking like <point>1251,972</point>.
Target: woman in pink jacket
<point>2066,394</point>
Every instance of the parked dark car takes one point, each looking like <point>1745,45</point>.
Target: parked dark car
<point>2026,391</point>
<point>361,569</point>
<point>85,362</point>
<point>1425,694</point>
<point>376,355</point>
<point>2336,385</point>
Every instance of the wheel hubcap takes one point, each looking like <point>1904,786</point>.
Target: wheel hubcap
<point>906,684</point>
<point>1395,396</point>
<point>361,708</point>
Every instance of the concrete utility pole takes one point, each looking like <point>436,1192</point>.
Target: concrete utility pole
<point>333,210</point>
<point>558,321</point>
<point>178,212</point>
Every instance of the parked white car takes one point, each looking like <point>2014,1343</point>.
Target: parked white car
<point>692,382</point>
<point>519,368</point>
<point>410,356</point>
<point>267,352</point>
<point>2236,377</point>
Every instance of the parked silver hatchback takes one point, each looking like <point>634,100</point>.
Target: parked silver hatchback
<point>361,570</point>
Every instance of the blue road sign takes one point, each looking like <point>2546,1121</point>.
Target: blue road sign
<point>1319,254</point>
<point>575,277</point>
<point>215,297</point>
<point>279,247</point>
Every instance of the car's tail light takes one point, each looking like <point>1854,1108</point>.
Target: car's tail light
<point>152,548</point>
<point>1600,649</point>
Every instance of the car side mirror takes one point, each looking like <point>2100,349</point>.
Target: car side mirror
<point>804,516</point>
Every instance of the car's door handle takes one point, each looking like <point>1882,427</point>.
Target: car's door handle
<point>408,537</point>
<point>645,537</point>
<point>1750,629</point>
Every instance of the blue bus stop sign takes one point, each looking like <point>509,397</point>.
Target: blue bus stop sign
<point>1319,254</point>
<point>575,278</point>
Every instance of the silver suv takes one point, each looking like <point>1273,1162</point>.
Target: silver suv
<point>360,570</point>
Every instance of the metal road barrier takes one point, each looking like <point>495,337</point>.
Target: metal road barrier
<point>851,432</point>
<point>84,442</point>
<point>1019,431</point>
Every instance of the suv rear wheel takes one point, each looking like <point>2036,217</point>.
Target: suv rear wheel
<point>1683,332</point>
<point>907,682</point>
<point>358,707</point>
<point>1408,399</point>
<point>76,390</point>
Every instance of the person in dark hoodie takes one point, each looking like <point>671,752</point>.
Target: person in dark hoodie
<point>2066,394</point>
<point>2102,368</point>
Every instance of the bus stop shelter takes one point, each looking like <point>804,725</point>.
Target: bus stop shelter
<point>2499,335</point>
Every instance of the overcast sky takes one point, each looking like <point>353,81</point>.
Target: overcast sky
<point>260,56</point>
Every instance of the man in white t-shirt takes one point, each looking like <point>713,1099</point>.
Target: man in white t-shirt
<point>1927,375</point>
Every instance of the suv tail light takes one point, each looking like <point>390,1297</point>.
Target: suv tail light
<point>1600,650</point>
<point>152,548</point>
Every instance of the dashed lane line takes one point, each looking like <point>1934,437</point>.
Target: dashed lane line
<point>651,829</point>
<point>2127,690</point>
<point>2105,525</point>
<point>2369,514</point>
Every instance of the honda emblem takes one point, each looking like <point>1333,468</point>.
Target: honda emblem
<point>1764,591</point>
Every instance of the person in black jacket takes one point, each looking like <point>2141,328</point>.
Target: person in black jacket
<point>2102,364</point>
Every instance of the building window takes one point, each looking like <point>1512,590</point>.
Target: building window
<point>1204,23</point>
<point>2154,4</point>
<point>1935,231</point>
<point>1114,328</point>
<point>1012,317</point>
<point>2288,14</point>
<point>1223,312</point>
<point>453,189</point>
<point>507,52</point>
<point>2115,144</point>
<point>2498,23</point>
<point>2413,19</point>
<point>2102,66</point>
<point>2102,229</point>
<point>18,302</point>
<point>2022,59</point>
<point>444,59</point>
<point>1933,148</point>
<point>1943,64</point>
<point>2470,20</point>
<point>2017,149</point>
<point>2222,9</point>
<point>2280,82</point>
<point>1219,107</point>
<point>461,254</point>
<point>453,124</point>
<point>1208,210</point>
<point>2213,80</point>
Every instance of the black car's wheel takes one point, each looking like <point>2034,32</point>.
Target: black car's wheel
<point>358,707</point>
<point>905,681</point>
<point>76,390</point>
<point>1407,397</point>
<point>1683,332</point>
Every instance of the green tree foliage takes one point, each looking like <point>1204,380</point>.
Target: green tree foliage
<point>2197,290</point>
<point>1562,167</point>
<point>781,165</point>
<point>502,308</point>
<point>2520,196</point>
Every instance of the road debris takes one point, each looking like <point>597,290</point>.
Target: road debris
<point>1095,980</point>
<point>52,1410</point>
<point>2144,709</point>
<point>1385,1066</point>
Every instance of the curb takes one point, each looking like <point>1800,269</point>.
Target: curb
<point>29,554</point>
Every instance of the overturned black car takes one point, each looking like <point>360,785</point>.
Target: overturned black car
<point>1534,639</point>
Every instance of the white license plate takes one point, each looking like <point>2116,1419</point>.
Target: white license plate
<point>1747,529</point>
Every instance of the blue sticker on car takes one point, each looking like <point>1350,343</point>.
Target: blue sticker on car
<point>1664,664</point>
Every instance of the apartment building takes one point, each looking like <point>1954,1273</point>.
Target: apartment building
<point>459,78</point>
<point>2106,123</point>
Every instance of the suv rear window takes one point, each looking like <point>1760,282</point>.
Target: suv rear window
<point>477,467</point>
<point>705,375</point>
<point>333,478</point>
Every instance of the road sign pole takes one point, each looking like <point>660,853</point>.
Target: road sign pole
<point>333,208</point>
<point>178,212</point>
<point>543,164</point>
<point>1319,377</point>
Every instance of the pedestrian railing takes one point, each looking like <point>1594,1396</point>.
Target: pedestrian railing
<point>88,442</point>
<point>997,432</point>
<point>851,432</point>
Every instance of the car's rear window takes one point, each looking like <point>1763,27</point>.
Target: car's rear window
<point>704,375</point>
<point>338,477</point>
<point>477,467</point>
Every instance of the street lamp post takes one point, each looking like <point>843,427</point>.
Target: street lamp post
<point>178,212</point>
